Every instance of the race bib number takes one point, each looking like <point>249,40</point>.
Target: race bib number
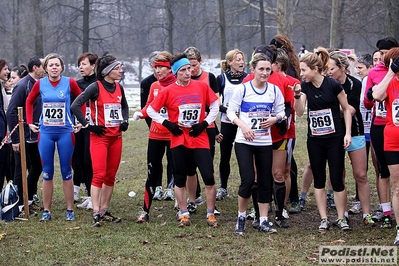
<point>88,113</point>
<point>189,114</point>
<point>367,120</point>
<point>381,110</point>
<point>321,122</point>
<point>164,113</point>
<point>112,114</point>
<point>256,118</point>
<point>395,112</point>
<point>54,114</point>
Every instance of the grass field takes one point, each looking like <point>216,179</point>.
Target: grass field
<point>161,242</point>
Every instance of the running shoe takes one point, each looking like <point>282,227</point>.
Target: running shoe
<point>192,207</point>
<point>169,194</point>
<point>35,208</point>
<point>46,216</point>
<point>302,203</point>
<point>368,221</point>
<point>108,217</point>
<point>295,208</point>
<point>255,223</point>
<point>330,201</point>
<point>396,242</point>
<point>251,215</point>
<point>86,204</point>
<point>285,213</point>
<point>211,221</point>
<point>158,193</point>
<point>143,217</point>
<point>221,193</point>
<point>378,216</point>
<point>22,214</point>
<point>324,225</point>
<point>184,221</point>
<point>356,208</point>
<point>70,216</point>
<point>176,207</point>
<point>281,222</point>
<point>36,199</point>
<point>96,220</point>
<point>216,211</point>
<point>199,201</point>
<point>343,224</point>
<point>267,227</point>
<point>335,223</point>
<point>386,222</point>
<point>240,226</point>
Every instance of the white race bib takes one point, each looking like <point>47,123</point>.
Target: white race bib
<point>255,119</point>
<point>395,112</point>
<point>381,111</point>
<point>112,114</point>
<point>54,114</point>
<point>321,122</point>
<point>189,114</point>
<point>164,113</point>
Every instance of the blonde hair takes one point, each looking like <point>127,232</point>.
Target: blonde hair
<point>163,56</point>
<point>318,60</point>
<point>52,56</point>
<point>230,55</point>
<point>259,57</point>
<point>340,58</point>
<point>193,53</point>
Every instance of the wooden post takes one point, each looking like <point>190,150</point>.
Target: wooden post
<point>23,160</point>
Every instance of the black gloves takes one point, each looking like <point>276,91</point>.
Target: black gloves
<point>395,65</point>
<point>222,109</point>
<point>123,127</point>
<point>369,95</point>
<point>197,129</point>
<point>98,130</point>
<point>282,126</point>
<point>172,127</point>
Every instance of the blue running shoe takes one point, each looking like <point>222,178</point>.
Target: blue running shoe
<point>46,216</point>
<point>70,216</point>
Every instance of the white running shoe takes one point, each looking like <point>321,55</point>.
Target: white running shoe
<point>169,194</point>
<point>158,193</point>
<point>356,208</point>
<point>87,204</point>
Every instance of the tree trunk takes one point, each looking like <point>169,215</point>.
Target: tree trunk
<point>39,47</point>
<point>86,30</point>
<point>334,23</point>
<point>169,27</point>
<point>222,27</point>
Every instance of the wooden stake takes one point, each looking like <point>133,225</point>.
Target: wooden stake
<point>23,160</point>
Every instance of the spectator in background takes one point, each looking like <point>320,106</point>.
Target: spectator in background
<point>33,163</point>
<point>4,76</point>
<point>145,84</point>
<point>18,73</point>
<point>303,51</point>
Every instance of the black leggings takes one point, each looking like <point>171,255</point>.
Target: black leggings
<point>81,160</point>
<point>155,152</point>
<point>377,139</point>
<point>229,132</point>
<point>246,154</point>
<point>34,167</point>
<point>185,160</point>
<point>322,151</point>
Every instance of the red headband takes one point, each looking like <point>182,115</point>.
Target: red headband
<point>161,63</point>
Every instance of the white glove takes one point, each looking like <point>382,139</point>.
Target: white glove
<point>137,116</point>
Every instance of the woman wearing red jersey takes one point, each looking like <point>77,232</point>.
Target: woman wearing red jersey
<point>388,90</point>
<point>186,101</point>
<point>159,138</point>
<point>109,112</point>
